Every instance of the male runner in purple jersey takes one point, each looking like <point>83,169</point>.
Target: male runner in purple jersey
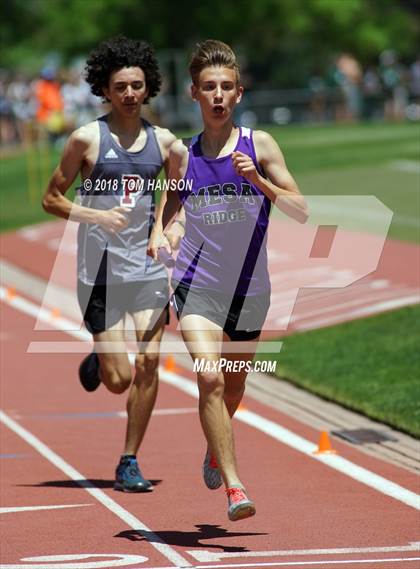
<point>221,280</point>
<point>114,155</point>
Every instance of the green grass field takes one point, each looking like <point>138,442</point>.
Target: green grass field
<point>380,160</point>
<point>24,177</point>
<point>369,365</point>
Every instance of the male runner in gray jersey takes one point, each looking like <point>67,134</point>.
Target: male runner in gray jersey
<point>117,156</point>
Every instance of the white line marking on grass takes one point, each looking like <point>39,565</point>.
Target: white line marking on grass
<point>36,508</point>
<point>98,494</point>
<point>336,137</point>
<point>405,220</point>
<point>270,428</point>
<point>354,216</point>
<point>212,556</point>
<point>412,166</point>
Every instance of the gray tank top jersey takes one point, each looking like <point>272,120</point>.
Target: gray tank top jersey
<point>120,178</point>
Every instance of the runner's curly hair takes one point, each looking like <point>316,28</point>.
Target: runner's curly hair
<point>116,53</point>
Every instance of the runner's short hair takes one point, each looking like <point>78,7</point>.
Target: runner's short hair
<point>115,54</point>
<point>212,53</point>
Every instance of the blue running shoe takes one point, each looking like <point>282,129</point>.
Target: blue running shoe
<point>129,477</point>
<point>89,372</point>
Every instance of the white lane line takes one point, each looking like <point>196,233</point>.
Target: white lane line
<point>36,508</point>
<point>340,308</point>
<point>44,315</point>
<point>306,447</point>
<point>279,563</point>
<point>39,231</point>
<point>365,311</point>
<point>272,429</point>
<point>64,561</point>
<point>304,563</point>
<point>133,522</point>
<point>357,287</point>
<point>281,299</point>
<point>212,556</point>
<point>175,411</point>
<point>291,275</point>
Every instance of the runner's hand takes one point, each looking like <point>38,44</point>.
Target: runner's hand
<point>174,235</point>
<point>156,241</point>
<point>244,166</point>
<point>114,220</point>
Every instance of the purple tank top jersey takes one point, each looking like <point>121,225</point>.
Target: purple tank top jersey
<point>224,247</point>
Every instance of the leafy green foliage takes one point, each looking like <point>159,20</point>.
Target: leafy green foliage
<point>282,40</point>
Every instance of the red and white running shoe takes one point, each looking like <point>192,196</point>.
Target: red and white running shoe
<point>240,506</point>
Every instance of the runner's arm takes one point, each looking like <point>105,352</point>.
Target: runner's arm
<point>55,201</point>
<point>279,186</point>
<point>177,229</point>
<point>170,203</point>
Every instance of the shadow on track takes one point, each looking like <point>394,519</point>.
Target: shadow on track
<point>83,483</point>
<point>189,538</point>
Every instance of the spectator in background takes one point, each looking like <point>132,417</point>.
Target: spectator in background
<point>372,94</point>
<point>19,94</point>
<point>79,105</point>
<point>50,105</point>
<point>393,77</point>
<point>350,79</point>
<point>415,79</point>
<point>8,129</point>
<point>318,87</point>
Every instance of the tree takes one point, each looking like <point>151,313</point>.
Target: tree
<point>283,40</point>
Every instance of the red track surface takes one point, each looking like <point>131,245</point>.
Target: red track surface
<point>301,503</point>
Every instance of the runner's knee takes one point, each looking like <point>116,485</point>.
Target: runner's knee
<point>147,365</point>
<point>116,380</point>
<point>210,383</point>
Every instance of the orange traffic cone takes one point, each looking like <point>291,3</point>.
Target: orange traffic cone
<point>325,445</point>
<point>10,293</point>
<point>170,364</point>
<point>55,313</point>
